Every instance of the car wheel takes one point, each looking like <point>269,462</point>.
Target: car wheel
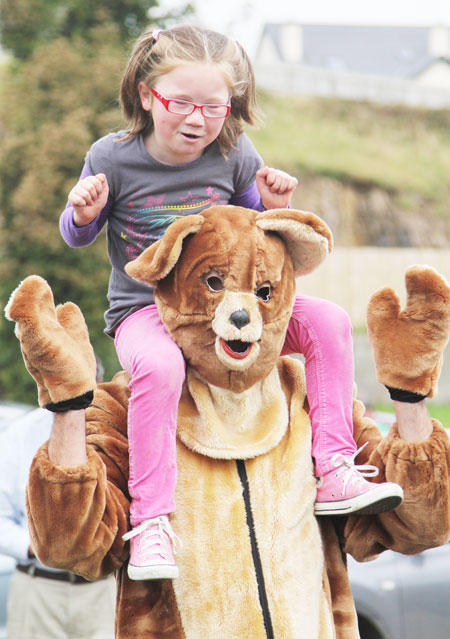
<point>367,630</point>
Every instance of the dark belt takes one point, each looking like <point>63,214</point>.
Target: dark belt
<point>35,571</point>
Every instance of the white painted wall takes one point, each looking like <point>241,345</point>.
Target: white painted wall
<point>349,276</point>
<point>430,88</point>
<point>291,43</point>
<point>306,80</point>
<point>436,75</point>
<point>439,42</point>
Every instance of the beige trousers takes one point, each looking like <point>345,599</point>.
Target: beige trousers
<point>40,608</point>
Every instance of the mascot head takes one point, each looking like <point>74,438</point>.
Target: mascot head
<point>225,285</point>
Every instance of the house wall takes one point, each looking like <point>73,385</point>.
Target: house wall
<point>439,42</point>
<point>305,80</point>
<point>436,75</point>
<point>292,43</point>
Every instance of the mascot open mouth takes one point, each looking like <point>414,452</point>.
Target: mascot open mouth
<point>236,348</point>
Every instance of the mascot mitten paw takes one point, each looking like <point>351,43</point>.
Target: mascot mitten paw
<point>55,346</point>
<point>408,344</point>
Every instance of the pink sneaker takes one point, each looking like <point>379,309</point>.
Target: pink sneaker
<point>151,554</point>
<point>344,490</point>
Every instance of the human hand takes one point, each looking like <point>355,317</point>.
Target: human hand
<point>88,197</point>
<point>275,187</point>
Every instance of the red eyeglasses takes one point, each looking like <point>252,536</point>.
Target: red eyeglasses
<point>183,107</point>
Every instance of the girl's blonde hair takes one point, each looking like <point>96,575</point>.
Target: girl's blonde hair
<point>151,58</point>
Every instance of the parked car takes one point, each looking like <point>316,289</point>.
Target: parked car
<point>6,568</point>
<point>403,597</point>
<point>9,412</point>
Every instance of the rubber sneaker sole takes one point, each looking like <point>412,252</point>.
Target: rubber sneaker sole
<point>382,499</point>
<point>161,571</point>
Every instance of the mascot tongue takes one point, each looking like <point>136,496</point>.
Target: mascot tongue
<point>236,348</point>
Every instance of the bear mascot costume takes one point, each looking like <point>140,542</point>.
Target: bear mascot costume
<point>255,562</point>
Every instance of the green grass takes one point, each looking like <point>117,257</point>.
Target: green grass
<point>403,150</point>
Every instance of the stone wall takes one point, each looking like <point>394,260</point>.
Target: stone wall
<point>370,216</point>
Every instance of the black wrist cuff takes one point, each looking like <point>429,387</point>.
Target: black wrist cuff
<point>75,403</point>
<point>399,395</point>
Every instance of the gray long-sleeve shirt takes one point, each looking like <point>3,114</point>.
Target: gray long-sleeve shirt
<point>146,196</point>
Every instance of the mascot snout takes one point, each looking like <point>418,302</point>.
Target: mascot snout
<point>238,326</point>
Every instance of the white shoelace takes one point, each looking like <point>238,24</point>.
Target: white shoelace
<point>155,538</point>
<point>347,465</point>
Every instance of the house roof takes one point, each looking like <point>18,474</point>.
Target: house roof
<point>383,50</point>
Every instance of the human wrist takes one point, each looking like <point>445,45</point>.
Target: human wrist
<point>79,221</point>
<point>269,205</point>
<point>413,421</point>
<point>67,444</point>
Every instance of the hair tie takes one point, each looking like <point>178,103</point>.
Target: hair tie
<point>155,35</point>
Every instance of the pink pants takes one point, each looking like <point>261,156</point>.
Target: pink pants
<point>318,329</point>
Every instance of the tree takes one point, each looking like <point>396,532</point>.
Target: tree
<point>62,99</point>
<point>58,93</point>
<point>28,24</point>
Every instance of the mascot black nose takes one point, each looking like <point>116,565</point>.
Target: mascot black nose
<point>239,318</point>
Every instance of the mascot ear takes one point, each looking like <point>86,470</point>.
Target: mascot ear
<point>307,237</point>
<point>159,259</point>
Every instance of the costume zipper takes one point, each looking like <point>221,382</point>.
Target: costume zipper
<point>255,551</point>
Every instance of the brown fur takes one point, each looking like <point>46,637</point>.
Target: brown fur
<point>78,515</point>
<point>232,241</point>
<point>58,353</point>
<point>422,327</point>
<point>148,610</point>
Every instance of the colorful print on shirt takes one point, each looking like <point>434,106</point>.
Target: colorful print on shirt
<point>148,224</point>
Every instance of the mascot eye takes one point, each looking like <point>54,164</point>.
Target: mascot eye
<point>264,292</point>
<point>214,281</point>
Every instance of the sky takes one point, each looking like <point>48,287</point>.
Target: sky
<point>244,19</point>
